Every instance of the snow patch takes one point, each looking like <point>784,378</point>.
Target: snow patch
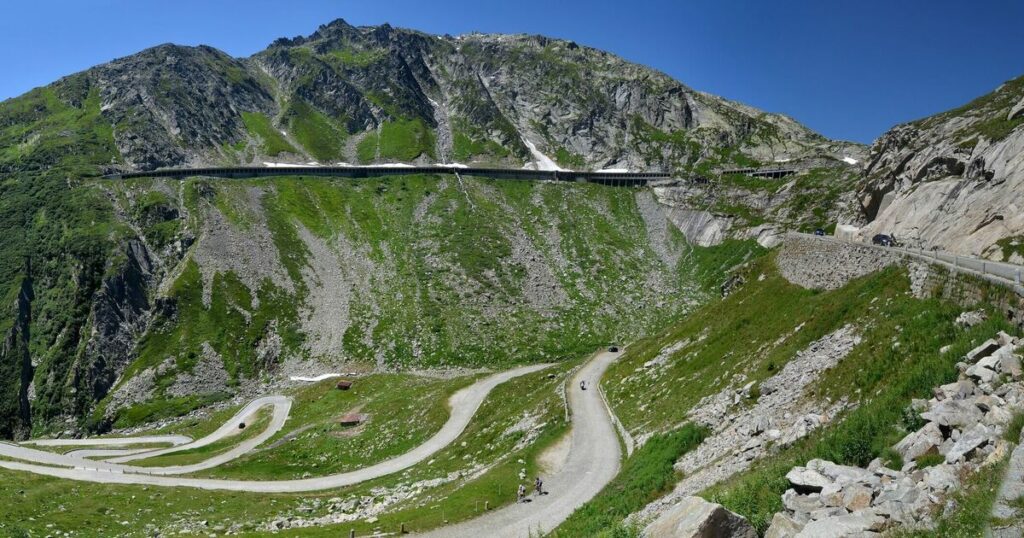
<point>313,379</point>
<point>541,161</point>
<point>292,165</point>
<point>850,160</point>
<point>613,171</point>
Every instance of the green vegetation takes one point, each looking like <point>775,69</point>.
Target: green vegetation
<point>651,142</point>
<point>1014,428</point>
<point>260,126</point>
<point>711,266</point>
<point>465,148</point>
<point>235,334</point>
<point>1011,247</point>
<point>570,160</point>
<point>993,109</point>
<point>319,135</point>
<point>403,411</point>
<point>898,359</point>
<point>399,140</point>
<point>60,124</point>
<point>354,58</point>
<point>644,477</point>
<point>161,408</point>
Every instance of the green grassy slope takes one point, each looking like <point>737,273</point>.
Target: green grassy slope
<point>756,330</point>
<point>434,272</point>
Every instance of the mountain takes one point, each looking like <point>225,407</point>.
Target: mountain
<point>954,180</point>
<point>381,94</point>
<point>129,301</point>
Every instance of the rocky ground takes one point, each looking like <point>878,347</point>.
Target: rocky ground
<point>751,420</point>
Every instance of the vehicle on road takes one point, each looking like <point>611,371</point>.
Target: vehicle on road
<point>819,231</point>
<point>613,349</point>
<point>884,240</point>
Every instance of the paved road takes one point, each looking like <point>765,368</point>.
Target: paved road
<point>281,407</point>
<point>593,461</point>
<point>463,403</point>
<point>113,441</point>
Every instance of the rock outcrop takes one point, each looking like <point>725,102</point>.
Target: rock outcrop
<point>953,181</point>
<point>694,517</point>
<point>965,422</point>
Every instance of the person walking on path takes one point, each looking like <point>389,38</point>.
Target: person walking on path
<point>538,484</point>
<point>521,493</point>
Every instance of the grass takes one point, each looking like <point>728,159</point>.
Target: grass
<point>465,148</point>
<point>399,140</point>
<point>644,477</point>
<point>404,411</point>
<point>1013,429</point>
<point>315,132</point>
<point>752,332</point>
<point>260,126</point>
<point>883,378</point>
<point>162,408</point>
<point>992,108</point>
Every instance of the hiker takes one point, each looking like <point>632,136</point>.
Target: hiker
<point>522,493</point>
<point>539,485</point>
<point>583,384</point>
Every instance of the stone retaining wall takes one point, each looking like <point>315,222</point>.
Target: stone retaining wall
<point>826,263</point>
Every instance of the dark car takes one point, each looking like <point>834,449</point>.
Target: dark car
<point>819,231</point>
<point>613,349</point>
<point>883,240</point>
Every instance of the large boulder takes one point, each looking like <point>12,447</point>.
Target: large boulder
<point>953,413</point>
<point>843,527</point>
<point>920,442</point>
<point>971,439</point>
<point>694,517</point>
<point>807,480</point>
<point>783,526</point>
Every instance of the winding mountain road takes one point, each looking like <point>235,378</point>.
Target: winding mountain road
<point>594,459</point>
<point>78,459</point>
<point>463,403</point>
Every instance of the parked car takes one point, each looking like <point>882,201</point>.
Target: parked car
<point>883,240</point>
<point>613,349</point>
<point>819,231</point>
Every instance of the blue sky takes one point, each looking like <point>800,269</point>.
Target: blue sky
<point>849,70</point>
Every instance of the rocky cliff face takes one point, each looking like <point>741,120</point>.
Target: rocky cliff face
<point>955,180</point>
<point>16,365</point>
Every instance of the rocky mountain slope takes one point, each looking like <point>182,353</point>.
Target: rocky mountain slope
<point>381,94</point>
<point>955,180</point>
<point>128,301</point>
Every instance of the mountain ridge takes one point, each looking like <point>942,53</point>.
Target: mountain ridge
<point>385,94</point>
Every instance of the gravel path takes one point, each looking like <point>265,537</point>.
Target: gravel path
<point>464,405</point>
<point>593,461</point>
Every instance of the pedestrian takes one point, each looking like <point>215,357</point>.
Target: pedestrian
<point>583,384</point>
<point>522,493</point>
<point>539,485</point>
